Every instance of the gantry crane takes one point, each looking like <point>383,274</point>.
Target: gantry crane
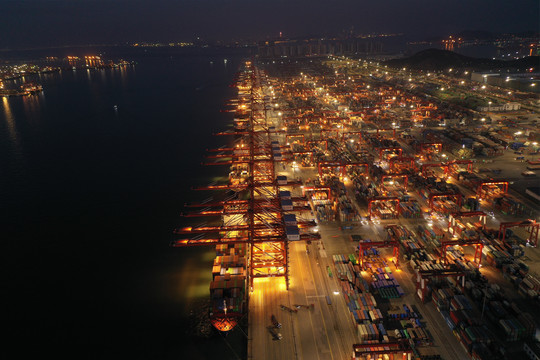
<point>326,189</point>
<point>369,244</point>
<point>260,220</point>
<point>393,207</point>
<point>456,197</point>
<point>532,226</point>
<point>342,166</point>
<point>425,167</point>
<point>322,165</point>
<point>400,164</point>
<point>436,271</point>
<point>453,166</point>
<point>232,207</point>
<point>302,155</point>
<point>476,242</point>
<point>454,222</point>
<point>485,189</point>
<point>288,138</point>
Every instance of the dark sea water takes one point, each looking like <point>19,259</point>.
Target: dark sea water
<point>89,196</point>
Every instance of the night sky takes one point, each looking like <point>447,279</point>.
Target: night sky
<point>28,23</point>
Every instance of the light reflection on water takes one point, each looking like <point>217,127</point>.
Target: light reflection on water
<point>32,106</point>
<point>103,75</point>
<point>10,122</point>
<point>123,74</point>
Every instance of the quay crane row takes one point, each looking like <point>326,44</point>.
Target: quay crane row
<point>255,214</point>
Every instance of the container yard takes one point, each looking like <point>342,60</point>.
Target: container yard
<point>367,228</point>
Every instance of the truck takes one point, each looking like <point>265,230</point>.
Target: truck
<point>283,307</point>
<point>275,334</point>
<point>276,323</point>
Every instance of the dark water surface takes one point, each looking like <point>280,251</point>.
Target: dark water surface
<point>89,196</point>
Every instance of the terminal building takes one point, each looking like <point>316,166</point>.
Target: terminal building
<point>525,81</point>
<point>510,106</point>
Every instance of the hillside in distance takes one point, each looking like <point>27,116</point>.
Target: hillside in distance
<point>435,59</point>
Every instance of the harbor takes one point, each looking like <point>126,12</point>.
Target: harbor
<point>17,79</point>
<point>236,181</point>
<point>360,220</point>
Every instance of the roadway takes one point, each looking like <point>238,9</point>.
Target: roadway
<point>326,331</point>
<point>323,332</point>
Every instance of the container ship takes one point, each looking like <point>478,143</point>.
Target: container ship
<point>228,286</point>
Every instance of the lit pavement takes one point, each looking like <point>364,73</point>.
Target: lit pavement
<point>327,331</point>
